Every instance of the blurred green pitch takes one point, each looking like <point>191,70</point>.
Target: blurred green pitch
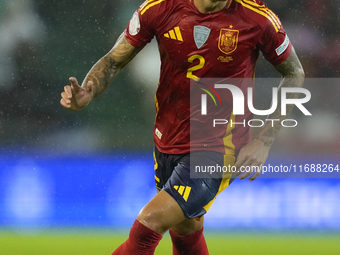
<point>93,243</point>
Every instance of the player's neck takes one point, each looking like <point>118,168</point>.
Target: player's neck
<point>205,6</point>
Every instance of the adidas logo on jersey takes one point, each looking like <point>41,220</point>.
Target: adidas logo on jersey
<point>174,34</point>
<point>184,191</point>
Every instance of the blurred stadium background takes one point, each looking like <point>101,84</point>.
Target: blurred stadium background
<point>73,183</point>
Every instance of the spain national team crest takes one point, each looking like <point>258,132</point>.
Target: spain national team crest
<point>227,43</point>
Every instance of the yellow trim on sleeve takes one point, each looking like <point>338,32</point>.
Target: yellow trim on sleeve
<point>254,3</point>
<point>272,15</point>
<point>261,12</point>
<point>150,5</point>
<point>266,9</point>
<point>275,17</point>
<point>145,4</point>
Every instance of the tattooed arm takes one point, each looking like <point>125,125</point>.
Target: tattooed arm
<point>256,153</point>
<point>293,76</point>
<point>100,76</point>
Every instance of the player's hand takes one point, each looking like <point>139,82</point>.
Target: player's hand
<point>253,154</point>
<point>75,97</point>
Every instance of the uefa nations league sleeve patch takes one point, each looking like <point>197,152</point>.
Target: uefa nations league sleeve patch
<point>283,46</point>
<point>134,26</point>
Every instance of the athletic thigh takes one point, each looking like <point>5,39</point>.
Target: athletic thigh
<point>161,213</point>
<point>188,226</point>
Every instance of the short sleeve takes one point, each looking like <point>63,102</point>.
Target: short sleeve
<point>275,44</point>
<point>140,29</point>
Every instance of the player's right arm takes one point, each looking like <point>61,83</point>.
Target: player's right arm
<point>76,97</point>
<point>140,31</point>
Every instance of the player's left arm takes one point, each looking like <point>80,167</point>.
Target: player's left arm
<point>256,152</point>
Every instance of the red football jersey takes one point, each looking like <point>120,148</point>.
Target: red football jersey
<point>193,45</point>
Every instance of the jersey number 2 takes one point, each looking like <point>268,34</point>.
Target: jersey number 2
<point>200,65</point>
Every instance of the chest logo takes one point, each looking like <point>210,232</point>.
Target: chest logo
<point>174,34</point>
<point>201,35</point>
<point>227,43</point>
